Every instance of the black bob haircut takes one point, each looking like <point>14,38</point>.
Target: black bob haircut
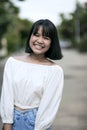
<point>49,30</point>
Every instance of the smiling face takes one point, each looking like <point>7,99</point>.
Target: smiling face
<point>39,43</point>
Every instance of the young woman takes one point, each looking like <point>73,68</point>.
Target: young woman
<point>32,84</point>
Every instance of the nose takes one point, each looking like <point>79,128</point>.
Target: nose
<point>40,39</point>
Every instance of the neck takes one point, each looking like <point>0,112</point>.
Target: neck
<point>37,57</point>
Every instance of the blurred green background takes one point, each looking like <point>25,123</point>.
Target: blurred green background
<point>14,31</point>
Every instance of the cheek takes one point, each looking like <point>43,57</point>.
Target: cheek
<point>31,41</point>
<point>49,44</point>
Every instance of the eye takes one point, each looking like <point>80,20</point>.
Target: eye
<point>36,34</point>
<point>47,38</point>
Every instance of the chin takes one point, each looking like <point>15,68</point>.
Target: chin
<point>38,53</point>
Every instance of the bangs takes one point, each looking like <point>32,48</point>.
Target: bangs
<point>45,30</point>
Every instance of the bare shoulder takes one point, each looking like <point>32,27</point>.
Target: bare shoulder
<point>51,62</point>
<point>19,57</point>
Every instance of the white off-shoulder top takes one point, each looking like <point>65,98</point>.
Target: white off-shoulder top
<point>28,86</point>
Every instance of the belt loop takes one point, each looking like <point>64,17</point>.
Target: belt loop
<point>35,111</point>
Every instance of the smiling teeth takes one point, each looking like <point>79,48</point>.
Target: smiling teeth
<point>40,45</point>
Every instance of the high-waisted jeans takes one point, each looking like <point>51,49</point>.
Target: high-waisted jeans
<point>25,120</point>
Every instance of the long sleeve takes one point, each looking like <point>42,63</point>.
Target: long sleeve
<point>6,106</point>
<point>50,101</point>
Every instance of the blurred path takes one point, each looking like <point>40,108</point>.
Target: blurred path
<point>72,114</point>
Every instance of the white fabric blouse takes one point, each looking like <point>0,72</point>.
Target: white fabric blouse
<point>28,86</point>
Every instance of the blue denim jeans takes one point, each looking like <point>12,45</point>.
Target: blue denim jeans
<point>25,120</point>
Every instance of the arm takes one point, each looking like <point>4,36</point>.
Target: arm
<point>7,127</point>
<point>50,101</point>
<point>7,99</point>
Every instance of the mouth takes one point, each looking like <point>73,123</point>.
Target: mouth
<point>39,46</point>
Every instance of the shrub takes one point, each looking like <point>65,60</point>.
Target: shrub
<point>82,45</point>
<point>13,42</point>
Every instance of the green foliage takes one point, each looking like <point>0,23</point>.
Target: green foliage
<point>24,29</point>
<point>13,42</point>
<point>14,29</point>
<point>82,45</point>
<point>75,27</point>
<point>66,28</point>
<point>17,34</point>
<point>7,12</point>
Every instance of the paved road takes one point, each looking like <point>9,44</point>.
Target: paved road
<point>72,114</point>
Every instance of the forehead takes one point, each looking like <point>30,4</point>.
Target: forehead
<point>42,29</point>
<point>38,28</point>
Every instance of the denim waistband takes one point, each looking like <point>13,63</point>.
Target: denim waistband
<point>28,116</point>
<point>34,110</point>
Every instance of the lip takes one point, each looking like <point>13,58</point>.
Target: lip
<point>38,44</point>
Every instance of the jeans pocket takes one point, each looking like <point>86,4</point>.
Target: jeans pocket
<point>35,112</point>
<point>30,119</point>
<point>16,118</point>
